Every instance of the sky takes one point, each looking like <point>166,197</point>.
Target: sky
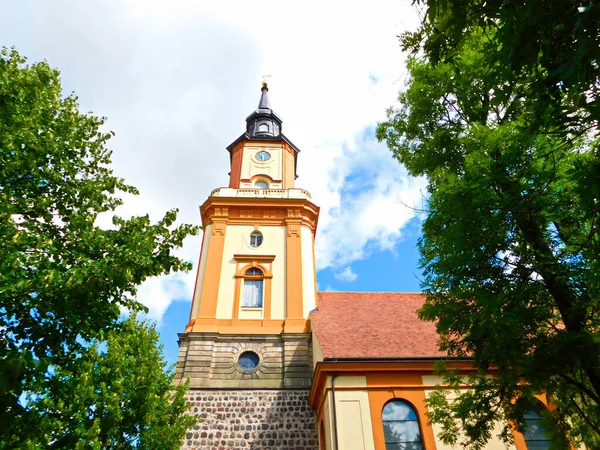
<point>176,80</point>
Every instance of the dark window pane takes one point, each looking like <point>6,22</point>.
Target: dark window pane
<point>535,430</point>
<point>538,445</point>
<point>535,433</point>
<point>256,239</point>
<point>532,414</point>
<point>248,360</point>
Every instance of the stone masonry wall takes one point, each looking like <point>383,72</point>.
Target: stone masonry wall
<point>251,419</point>
<point>210,360</point>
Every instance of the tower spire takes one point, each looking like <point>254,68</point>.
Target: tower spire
<point>263,122</point>
<point>264,103</point>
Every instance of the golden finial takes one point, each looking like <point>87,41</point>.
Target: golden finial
<point>264,80</point>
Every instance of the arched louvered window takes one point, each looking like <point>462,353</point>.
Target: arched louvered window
<point>401,427</point>
<point>535,433</point>
<point>252,296</point>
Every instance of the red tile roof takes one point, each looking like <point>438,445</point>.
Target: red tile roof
<point>373,325</point>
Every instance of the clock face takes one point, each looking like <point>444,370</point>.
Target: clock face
<point>263,156</point>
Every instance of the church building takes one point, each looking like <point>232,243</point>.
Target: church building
<point>274,364</point>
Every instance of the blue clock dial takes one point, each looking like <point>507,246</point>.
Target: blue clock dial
<point>263,156</point>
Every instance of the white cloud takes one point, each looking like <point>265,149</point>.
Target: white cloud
<point>157,293</point>
<point>366,202</point>
<point>346,275</point>
<point>176,80</point>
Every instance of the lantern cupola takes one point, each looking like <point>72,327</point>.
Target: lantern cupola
<point>263,122</point>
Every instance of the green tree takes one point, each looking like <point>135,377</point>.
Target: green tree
<point>63,279</point>
<point>511,242</point>
<point>118,394</point>
<point>557,40</point>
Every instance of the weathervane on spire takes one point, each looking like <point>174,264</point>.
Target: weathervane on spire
<point>264,79</point>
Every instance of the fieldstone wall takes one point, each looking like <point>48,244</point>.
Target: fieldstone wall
<point>251,419</point>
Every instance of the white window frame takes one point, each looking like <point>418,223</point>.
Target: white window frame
<point>253,290</point>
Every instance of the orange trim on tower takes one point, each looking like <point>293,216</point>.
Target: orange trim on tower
<point>293,272</point>
<point>267,299</point>
<point>212,274</point>
<point>237,295</point>
<point>245,326</point>
<point>250,210</point>
<point>289,167</point>
<point>236,166</point>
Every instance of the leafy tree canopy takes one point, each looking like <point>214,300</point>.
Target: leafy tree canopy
<point>117,394</point>
<point>557,40</point>
<point>63,279</point>
<point>511,242</point>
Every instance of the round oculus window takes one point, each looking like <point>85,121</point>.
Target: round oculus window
<point>261,185</point>
<point>256,239</point>
<point>263,156</point>
<point>248,361</point>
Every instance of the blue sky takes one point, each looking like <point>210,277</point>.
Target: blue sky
<point>176,80</point>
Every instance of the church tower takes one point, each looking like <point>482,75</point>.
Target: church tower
<point>247,347</point>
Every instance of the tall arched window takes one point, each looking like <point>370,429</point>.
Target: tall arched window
<point>535,433</point>
<point>252,296</point>
<point>401,427</point>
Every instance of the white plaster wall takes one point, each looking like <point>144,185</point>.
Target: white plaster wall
<point>309,288</point>
<point>273,167</point>
<point>237,243</point>
<point>328,422</point>
<point>355,430</point>
<point>317,352</point>
<point>201,270</point>
<point>354,426</point>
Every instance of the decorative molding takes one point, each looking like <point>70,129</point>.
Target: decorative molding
<point>293,230</point>
<point>263,211</point>
<point>218,228</point>
<point>261,258</point>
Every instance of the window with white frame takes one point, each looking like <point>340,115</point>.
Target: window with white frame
<point>252,295</point>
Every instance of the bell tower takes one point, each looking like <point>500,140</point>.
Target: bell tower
<point>256,281</point>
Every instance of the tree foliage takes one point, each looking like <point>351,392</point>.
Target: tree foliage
<point>558,41</point>
<point>511,242</point>
<point>118,394</point>
<point>63,279</point>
